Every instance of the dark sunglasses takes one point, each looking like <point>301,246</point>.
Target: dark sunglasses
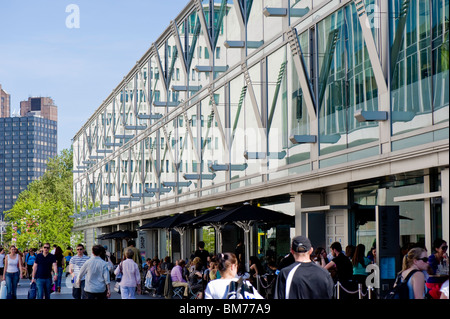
<point>424,259</point>
<point>46,247</point>
<point>444,247</point>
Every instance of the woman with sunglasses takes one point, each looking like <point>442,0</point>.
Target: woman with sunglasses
<point>12,272</point>
<point>440,256</point>
<point>415,260</point>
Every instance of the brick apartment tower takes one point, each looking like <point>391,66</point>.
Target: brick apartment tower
<point>43,106</point>
<point>5,103</point>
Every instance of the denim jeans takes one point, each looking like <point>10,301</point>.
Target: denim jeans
<point>43,288</point>
<point>127,292</point>
<point>59,278</point>
<point>12,279</point>
<point>77,293</point>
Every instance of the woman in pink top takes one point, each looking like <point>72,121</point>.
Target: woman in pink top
<point>131,278</point>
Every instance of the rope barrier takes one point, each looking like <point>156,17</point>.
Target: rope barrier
<point>359,291</point>
<point>268,285</point>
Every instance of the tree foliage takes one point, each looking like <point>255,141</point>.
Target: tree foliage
<point>41,212</point>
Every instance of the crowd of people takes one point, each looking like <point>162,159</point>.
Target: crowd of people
<point>44,267</point>
<point>305,273</point>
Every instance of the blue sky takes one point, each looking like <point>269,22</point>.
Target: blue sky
<point>77,67</point>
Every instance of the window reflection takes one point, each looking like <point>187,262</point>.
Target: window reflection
<point>346,83</point>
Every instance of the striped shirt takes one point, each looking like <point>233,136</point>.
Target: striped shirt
<point>77,263</point>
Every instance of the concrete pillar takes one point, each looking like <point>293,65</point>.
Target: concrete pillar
<point>304,200</point>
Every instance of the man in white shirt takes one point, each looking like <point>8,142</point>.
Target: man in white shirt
<point>97,280</point>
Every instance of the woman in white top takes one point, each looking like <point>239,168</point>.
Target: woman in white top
<point>12,272</point>
<point>228,266</point>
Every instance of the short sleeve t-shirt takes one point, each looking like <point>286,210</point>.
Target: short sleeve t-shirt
<point>344,267</point>
<point>45,264</point>
<point>309,281</point>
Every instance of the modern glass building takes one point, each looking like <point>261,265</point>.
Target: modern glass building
<point>26,144</point>
<point>326,110</point>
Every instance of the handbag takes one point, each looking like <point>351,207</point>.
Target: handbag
<point>119,275</point>
<point>3,291</point>
<point>32,291</point>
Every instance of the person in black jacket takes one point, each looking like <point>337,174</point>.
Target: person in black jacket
<point>303,279</point>
<point>202,254</point>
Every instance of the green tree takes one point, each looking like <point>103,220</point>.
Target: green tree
<point>41,212</point>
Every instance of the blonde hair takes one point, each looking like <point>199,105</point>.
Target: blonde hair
<point>413,254</point>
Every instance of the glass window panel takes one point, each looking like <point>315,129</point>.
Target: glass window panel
<point>213,150</point>
<point>176,73</point>
<point>168,155</point>
<point>272,25</point>
<point>157,86</point>
<point>346,83</point>
<point>187,146</point>
<point>162,51</point>
<point>255,22</point>
<point>232,32</point>
<point>440,56</point>
<point>238,91</point>
<point>254,135</point>
<point>304,5</point>
<point>277,113</point>
<point>410,66</point>
<point>298,112</point>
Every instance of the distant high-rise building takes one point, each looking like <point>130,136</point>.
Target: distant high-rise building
<point>27,142</point>
<point>43,106</point>
<point>5,103</point>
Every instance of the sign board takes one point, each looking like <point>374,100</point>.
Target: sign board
<point>387,244</point>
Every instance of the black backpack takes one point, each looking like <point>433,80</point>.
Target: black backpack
<point>400,289</point>
<point>240,290</point>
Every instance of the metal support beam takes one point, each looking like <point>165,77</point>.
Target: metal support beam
<point>149,116</point>
<point>176,184</point>
<point>227,167</point>
<point>301,139</point>
<point>263,155</point>
<point>300,67</point>
<point>199,176</point>
<point>241,44</point>
<point>275,12</point>
<point>371,116</point>
<point>185,88</point>
<point>135,127</point>
<point>164,103</point>
<point>209,68</point>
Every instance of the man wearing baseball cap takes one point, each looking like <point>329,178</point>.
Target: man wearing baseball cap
<point>303,279</point>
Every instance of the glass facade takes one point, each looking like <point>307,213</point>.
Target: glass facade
<point>346,83</point>
<point>419,44</point>
<point>215,105</point>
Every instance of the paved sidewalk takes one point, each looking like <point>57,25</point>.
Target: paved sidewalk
<point>66,291</point>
